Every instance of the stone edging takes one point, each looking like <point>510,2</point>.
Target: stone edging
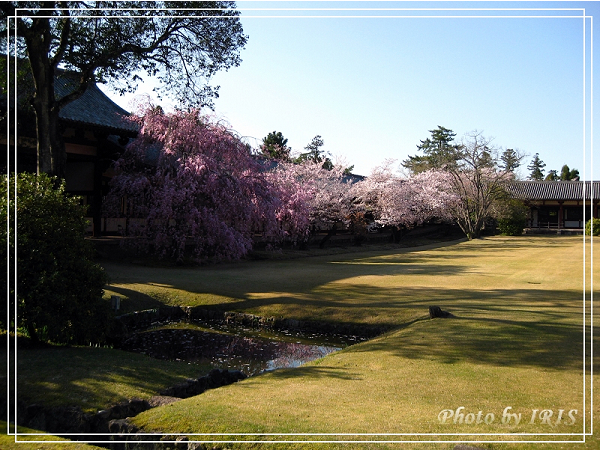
<point>140,320</point>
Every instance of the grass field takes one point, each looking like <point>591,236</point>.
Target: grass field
<point>7,442</point>
<point>516,340</point>
<point>95,378</point>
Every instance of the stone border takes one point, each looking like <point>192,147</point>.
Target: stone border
<point>142,320</point>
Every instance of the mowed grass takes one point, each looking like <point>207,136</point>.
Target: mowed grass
<point>393,287</point>
<point>9,442</point>
<point>94,378</point>
<point>515,341</point>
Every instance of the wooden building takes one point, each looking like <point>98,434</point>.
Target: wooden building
<point>95,131</point>
<point>558,204</point>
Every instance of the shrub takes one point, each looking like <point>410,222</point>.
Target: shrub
<point>513,219</point>
<point>592,225</point>
<point>512,226</point>
<point>58,288</point>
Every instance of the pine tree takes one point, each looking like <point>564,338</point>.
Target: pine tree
<point>510,160</point>
<point>567,174</point>
<point>439,151</point>
<point>274,146</point>
<point>537,168</point>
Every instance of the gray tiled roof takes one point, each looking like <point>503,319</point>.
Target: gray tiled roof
<point>93,107</point>
<point>555,190</point>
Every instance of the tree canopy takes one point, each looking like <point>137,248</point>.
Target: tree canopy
<point>567,174</point>
<point>536,168</point>
<point>181,44</point>
<point>439,150</point>
<point>274,146</point>
<point>476,173</point>
<point>194,184</point>
<point>405,202</point>
<point>510,160</point>
<point>315,153</point>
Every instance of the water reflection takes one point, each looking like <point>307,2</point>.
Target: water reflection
<point>250,354</point>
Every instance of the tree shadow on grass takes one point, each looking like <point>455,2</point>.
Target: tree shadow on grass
<point>330,289</point>
<point>93,378</point>
<point>490,341</point>
<point>392,306</point>
<point>313,372</point>
<point>132,300</point>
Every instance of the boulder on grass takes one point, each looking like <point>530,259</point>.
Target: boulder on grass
<point>436,311</point>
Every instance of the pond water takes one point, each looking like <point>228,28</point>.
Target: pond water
<point>248,350</point>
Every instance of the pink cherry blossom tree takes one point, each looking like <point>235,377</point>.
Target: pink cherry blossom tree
<point>312,197</point>
<point>403,203</point>
<point>294,195</point>
<point>194,184</point>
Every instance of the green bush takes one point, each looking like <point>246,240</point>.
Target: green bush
<point>58,286</point>
<point>592,225</point>
<point>512,227</point>
<point>513,218</point>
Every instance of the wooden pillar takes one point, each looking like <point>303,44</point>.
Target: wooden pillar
<point>99,167</point>
<point>561,213</point>
<point>97,200</point>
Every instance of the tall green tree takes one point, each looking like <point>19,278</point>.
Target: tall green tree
<point>180,43</point>
<point>439,151</point>
<point>567,174</point>
<point>536,168</point>
<point>552,176</point>
<point>274,146</point>
<point>510,160</point>
<point>316,154</point>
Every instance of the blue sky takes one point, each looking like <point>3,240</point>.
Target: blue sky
<point>373,87</point>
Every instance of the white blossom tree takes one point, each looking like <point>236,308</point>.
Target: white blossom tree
<point>403,203</point>
<point>478,180</point>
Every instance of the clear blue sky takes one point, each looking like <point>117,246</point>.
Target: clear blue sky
<point>372,87</point>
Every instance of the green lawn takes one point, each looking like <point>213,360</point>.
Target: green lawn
<point>515,341</point>
<point>95,378</point>
<point>8,442</point>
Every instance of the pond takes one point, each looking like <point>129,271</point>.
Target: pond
<point>251,351</point>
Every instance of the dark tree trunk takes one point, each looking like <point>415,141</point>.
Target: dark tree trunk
<point>331,233</point>
<point>396,234</point>
<point>51,153</point>
<point>35,339</point>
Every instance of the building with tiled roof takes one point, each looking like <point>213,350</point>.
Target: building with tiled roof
<point>94,129</point>
<point>93,109</point>
<point>558,204</point>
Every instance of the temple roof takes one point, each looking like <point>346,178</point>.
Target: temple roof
<point>93,107</point>
<point>555,190</point>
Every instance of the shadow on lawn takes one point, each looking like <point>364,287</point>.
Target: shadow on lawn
<point>489,340</point>
<point>94,376</point>
<point>313,372</point>
<point>516,327</point>
<point>132,300</point>
<point>540,325</point>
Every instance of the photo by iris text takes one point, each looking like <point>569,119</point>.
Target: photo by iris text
<point>549,417</point>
